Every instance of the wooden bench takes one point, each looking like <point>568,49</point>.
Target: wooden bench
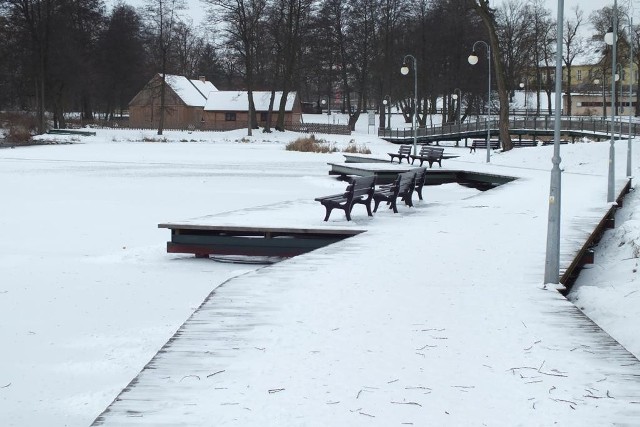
<point>403,153</point>
<point>524,143</point>
<point>420,180</point>
<point>428,154</point>
<point>402,188</point>
<point>481,143</point>
<point>360,190</point>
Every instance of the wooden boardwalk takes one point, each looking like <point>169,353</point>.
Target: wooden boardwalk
<point>291,344</point>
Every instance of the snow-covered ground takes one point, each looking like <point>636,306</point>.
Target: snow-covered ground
<point>88,293</point>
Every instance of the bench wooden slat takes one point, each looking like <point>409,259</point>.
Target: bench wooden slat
<point>359,191</point>
<point>402,188</point>
<point>482,143</point>
<point>403,153</point>
<point>429,154</point>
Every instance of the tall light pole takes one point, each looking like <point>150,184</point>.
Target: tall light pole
<point>325,102</point>
<point>597,82</point>
<point>473,60</point>
<point>631,77</point>
<point>611,38</point>
<point>552,258</point>
<point>405,70</point>
<point>524,87</point>
<point>458,98</point>
<point>387,102</point>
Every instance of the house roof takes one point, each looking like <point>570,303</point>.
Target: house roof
<point>591,55</point>
<point>238,101</point>
<point>193,92</point>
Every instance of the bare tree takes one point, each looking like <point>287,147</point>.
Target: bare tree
<point>488,18</point>
<point>573,46</point>
<point>243,19</point>
<point>162,17</point>
<point>542,41</point>
<point>34,18</point>
<point>515,40</point>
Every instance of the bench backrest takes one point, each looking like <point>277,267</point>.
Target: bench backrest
<point>424,150</point>
<point>404,149</point>
<point>437,151</point>
<point>483,143</point>
<point>420,177</point>
<point>406,182</point>
<point>361,186</point>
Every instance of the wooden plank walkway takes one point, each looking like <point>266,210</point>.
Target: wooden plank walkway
<point>280,346</point>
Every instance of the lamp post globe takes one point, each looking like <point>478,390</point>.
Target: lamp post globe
<point>473,58</point>
<point>404,70</point>
<point>608,37</point>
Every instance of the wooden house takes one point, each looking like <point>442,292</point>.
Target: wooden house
<point>184,103</point>
<point>226,110</point>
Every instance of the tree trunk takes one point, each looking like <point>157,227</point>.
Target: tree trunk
<point>482,8</point>
<point>568,91</point>
<point>163,84</point>
<point>267,126</point>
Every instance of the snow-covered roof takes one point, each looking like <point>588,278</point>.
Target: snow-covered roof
<point>193,92</point>
<point>204,87</point>
<point>238,101</point>
<point>591,55</point>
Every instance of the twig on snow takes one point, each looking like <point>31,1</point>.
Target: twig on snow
<point>426,346</point>
<point>275,390</point>
<point>190,376</point>
<point>215,373</point>
<point>5,386</point>
<point>406,403</point>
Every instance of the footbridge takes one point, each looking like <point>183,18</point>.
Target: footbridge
<point>536,128</point>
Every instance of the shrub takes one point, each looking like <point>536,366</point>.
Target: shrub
<point>356,149</point>
<point>20,126</point>
<point>18,133</point>
<point>152,139</point>
<point>311,145</point>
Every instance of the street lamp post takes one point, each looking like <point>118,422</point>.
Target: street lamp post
<point>405,70</point>
<point>630,19</point>
<point>552,257</point>
<point>325,103</point>
<point>629,102</point>
<point>387,102</point>
<point>473,60</point>
<point>458,98</point>
<point>604,106</point>
<point>611,39</point>
<point>526,113</point>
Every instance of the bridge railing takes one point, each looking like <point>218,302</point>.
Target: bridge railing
<point>582,124</point>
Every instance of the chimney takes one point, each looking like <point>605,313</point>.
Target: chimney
<point>203,79</point>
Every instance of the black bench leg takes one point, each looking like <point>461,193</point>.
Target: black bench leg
<point>368,206</point>
<point>347,212</point>
<point>393,206</point>
<point>419,193</point>
<point>376,203</point>
<point>328,209</point>
<point>440,163</point>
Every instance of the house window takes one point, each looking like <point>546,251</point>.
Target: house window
<point>263,117</point>
<point>579,75</point>
<point>230,117</point>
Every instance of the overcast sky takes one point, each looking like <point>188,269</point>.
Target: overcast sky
<point>196,7</point>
